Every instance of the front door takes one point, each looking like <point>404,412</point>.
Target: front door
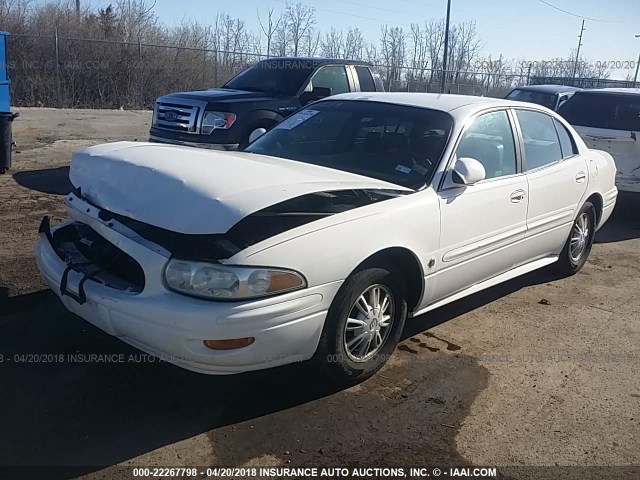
<point>482,225</point>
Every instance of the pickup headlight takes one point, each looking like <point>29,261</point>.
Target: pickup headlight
<point>217,120</point>
<point>213,281</point>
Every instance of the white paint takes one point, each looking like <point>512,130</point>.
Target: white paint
<point>624,147</point>
<point>479,235</point>
<point>190,190</point>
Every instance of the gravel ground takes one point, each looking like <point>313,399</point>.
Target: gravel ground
<point>537,372</point>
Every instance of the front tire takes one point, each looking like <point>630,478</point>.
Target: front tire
<point>363,325</point>
<point>576,251</point>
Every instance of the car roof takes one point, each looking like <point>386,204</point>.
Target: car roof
<point>435,101</point>
<point>317,60</point>
<point>548,88</point>
<point>619,90</point>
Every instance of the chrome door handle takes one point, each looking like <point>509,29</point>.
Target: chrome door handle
<point>517,196</point>
<point>581,177</point>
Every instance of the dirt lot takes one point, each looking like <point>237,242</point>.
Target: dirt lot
<point>540,371</point>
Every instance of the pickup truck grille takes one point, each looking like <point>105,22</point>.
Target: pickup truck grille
<point>177,117</point>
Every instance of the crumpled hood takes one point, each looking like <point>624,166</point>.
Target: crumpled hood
<point>188,190</point>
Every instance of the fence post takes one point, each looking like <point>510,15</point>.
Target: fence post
<point>59,99</point>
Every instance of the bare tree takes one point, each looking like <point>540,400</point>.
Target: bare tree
<point>354,44</point>
<point>300,20</point>
<point>312,42</point>
<point>392,43</point>
<point>465,46</point>
<point>419,54</point>
<point>333,44</point>
<point>434,38</point>
<point>269,28</point>
<point>281,44</point>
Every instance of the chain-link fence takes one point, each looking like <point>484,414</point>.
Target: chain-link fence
<point>584,82</point>
<point>56,71</point>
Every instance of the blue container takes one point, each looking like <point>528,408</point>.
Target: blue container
<point>5,104</point>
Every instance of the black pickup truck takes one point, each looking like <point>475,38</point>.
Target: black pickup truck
<point>257,98</point>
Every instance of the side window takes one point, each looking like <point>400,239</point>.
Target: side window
<point>365,79</point>
<point>490,141</point>
<point>333,77</point>
<point>566,142</point>
<point>541,144</point>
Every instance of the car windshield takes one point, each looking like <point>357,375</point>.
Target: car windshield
<point>394,143</point>
<point>545,99</point>
<point>603,110</point>
<point>283,77</point>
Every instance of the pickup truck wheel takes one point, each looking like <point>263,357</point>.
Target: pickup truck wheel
<point>363,325</point>
<point>576,251</point>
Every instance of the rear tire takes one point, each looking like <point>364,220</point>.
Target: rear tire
<point>354,345</point>
<point>576,251</point>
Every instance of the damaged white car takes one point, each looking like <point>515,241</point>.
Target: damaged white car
<point>327,233</point>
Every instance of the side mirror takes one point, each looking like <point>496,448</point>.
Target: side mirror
<point>316,94</point>
<point>256,134</point>
<point>468,171</point>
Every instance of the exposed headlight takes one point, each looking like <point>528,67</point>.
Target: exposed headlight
<point>212,281</point>
<point>217,120</point>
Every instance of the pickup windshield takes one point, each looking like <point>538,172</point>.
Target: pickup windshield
<point>280,77</point>
<point>394,143</point>
<point>603,110</point>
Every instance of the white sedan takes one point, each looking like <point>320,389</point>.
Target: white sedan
<point>329,232</point>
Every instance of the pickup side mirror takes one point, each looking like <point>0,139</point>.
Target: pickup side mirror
<point>468,171</point>
<point>316,94</point>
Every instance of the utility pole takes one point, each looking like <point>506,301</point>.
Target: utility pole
<point>575,65</point>
<point>635,78</point>
<point>446,49</point>
<point>78,8</point>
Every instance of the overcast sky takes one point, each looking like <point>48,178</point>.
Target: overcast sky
<point>527,29</point>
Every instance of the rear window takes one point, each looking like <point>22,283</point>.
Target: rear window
<point>603,110</point>
<point>545,99</point>
<point>365,79</point>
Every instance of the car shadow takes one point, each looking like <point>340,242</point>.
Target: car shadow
<point>624,223</point>
<point>48,180</point>
<point>453,310</point>
<point>78,398</point>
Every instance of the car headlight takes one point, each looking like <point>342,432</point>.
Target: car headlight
<point>213,281</point>
<point>217,120</point>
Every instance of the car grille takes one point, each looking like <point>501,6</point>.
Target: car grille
<point>177,117</point>
<point>85,251</point>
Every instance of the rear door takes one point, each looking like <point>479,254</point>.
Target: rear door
<point>611,122</point>
<point>557,176</point>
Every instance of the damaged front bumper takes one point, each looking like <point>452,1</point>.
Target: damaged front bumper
<point>136,307</point>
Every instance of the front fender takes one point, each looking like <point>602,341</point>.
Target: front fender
<point>329,250</point>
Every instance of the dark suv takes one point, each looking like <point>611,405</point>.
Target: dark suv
<point>257,98</point>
